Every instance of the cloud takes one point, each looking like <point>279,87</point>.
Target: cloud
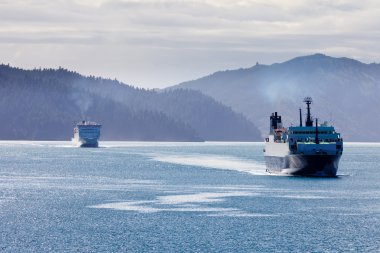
<point>178,40</point>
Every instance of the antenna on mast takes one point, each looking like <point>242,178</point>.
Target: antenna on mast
<point>309,120</point>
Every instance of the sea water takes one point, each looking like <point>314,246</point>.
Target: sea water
<point>182,197</point>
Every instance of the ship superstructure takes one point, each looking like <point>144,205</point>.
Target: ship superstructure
<point>86,134</point>
<point>310,150</point>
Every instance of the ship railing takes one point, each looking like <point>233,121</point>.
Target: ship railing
<point>321,141</point>
<point>88,123</point>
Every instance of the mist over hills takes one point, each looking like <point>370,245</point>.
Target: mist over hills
<point>45,104</point>
<point>345,92</point>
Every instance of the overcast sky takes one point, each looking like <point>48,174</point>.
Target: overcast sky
<point>150,43</point>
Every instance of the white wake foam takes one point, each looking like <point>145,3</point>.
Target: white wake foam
<point>214,161</point>
<point>202,197</point>
<point>186,203</point>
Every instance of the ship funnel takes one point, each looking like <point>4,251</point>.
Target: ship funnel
<point>300,117</point>
<point>309,120</point>
<point>275,122</point>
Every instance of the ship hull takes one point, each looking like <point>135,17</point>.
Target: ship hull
<point>86,143</point>
<point>304,165</point>
<point>89,145</point>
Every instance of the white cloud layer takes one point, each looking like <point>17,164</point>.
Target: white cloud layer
<point>158,43</point>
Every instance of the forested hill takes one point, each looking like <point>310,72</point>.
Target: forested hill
<point>345,92</point>
<point>45,104</point>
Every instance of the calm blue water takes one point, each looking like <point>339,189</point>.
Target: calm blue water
<point>182,197</point>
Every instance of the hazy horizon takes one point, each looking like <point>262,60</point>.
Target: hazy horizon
<point>155,44</point>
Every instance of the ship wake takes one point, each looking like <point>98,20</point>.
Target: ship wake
<point>214,162</point>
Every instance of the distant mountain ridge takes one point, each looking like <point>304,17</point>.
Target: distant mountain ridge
<point>345,92</point>
<point>45,104</point>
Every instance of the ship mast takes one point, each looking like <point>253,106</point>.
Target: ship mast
<point>309,120</point>
<point>316,132</point>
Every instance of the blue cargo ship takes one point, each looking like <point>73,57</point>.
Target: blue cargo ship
<point>310,150</point>
<point>86,134</point>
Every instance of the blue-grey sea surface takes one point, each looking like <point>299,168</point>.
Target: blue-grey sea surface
<point>182,197</point>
